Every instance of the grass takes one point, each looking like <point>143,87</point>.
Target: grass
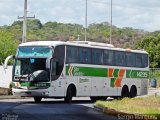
<point>146,105</point>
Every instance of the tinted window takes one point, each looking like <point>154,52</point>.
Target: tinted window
<point>120,58</point>
<point>97,56</point>
<point>130,59</point>
<point>59,54</point>
<point>72,55</point>
<point>138,60</point>
<point>144,60</point>
<point>85,55</point>
<point>108,57</point>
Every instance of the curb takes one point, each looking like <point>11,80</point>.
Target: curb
<point>110,111</point>
<point>100,109</point>
<point>124,115</point>
<point>10,97</point>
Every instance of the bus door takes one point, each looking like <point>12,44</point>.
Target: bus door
<point>57,83</point>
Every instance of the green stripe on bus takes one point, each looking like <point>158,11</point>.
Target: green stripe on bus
<point>137,74</point>
<point>26,84</point>
<point>116,73</point>
<point>87,71</point>
<point>113,82</point>
<point>103,72</point>
<point>128,73</point>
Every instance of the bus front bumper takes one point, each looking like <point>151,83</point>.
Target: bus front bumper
<point>30,93</point>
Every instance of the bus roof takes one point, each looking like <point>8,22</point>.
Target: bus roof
<point>81,44</point>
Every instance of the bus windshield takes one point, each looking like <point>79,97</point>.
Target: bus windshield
<point>30,69</point>
<point>34,51</point>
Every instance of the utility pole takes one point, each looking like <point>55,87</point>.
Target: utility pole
<point>86,23</point>
<point>111,26</point>
<point>24,36</point>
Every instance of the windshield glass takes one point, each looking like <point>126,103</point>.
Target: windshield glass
<point>31,69</point>
<point>34,51</point>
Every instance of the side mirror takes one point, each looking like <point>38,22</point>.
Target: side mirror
<point>6,61</point>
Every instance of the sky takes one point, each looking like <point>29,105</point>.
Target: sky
<point>138,14</point>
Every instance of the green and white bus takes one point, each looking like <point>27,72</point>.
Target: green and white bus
<point>56,69</point>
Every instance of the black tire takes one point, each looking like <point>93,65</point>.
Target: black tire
<point>125,92</point>
<point>69,95</point>
<point>93,99</point>
<point>133,92</point>
<point>37,99</point>
<point>103,98</point>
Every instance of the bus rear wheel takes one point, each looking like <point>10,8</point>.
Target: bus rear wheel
<point>125,92</point>
<point>133,91</point>
<point>37,99</point>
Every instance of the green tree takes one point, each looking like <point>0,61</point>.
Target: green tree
<point>152,45</point>
<point>8,44</point>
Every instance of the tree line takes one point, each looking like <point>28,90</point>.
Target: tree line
<point>11,36</point>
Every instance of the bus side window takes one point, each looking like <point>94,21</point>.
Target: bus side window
<point>130,59</point>
<point>108,57</point>
<point>72,55</point>
<point>144,60</point>
<point>85,55</point>
<point>120,58</point>
<point>97,56</point>
<point>138,60</point>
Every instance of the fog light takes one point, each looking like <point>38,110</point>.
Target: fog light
<point>45,93</point>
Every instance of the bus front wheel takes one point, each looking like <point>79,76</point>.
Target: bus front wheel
<point>69,95</point>
<point>37,99</point>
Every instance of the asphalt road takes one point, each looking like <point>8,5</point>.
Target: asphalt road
<point>54,109</point>
<point>50,109</point>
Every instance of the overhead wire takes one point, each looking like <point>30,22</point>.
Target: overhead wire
<point>124,6</point>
